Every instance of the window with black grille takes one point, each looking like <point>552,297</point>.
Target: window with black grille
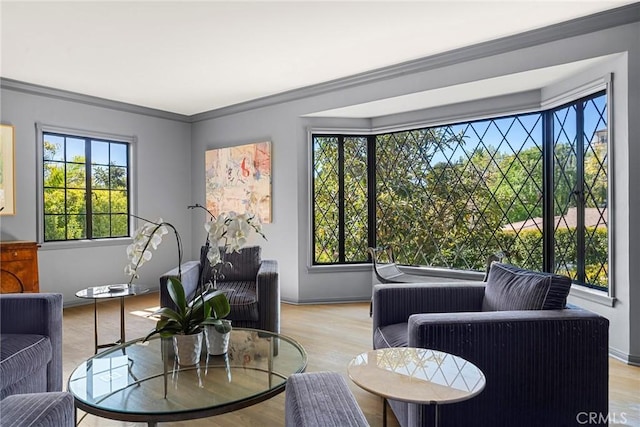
<point>85,187</point>
<point>534,185</point>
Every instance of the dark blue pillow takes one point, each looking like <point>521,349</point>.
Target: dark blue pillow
<point>244,264</point>
<point>513,288</point>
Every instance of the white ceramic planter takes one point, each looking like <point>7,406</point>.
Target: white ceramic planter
<point>187,348</point>
<point>217,343</point>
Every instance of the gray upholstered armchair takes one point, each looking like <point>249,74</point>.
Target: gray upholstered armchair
<point>544,363</point>
<point>31,362</point>
<point>253,284</point>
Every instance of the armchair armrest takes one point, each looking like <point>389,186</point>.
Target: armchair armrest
<point>268,294</point>
<point>394,303</point>
<point>542,366</point>
<point>52,409</point>
<point>39,314</point>
<point>190,274</point>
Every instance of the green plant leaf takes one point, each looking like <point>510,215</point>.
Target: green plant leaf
<point>220,325</point>
<point>176,292</point>
<point>168,313</point>
<point>223,326</point>
<point>219,306</point>
<point>189,318</point>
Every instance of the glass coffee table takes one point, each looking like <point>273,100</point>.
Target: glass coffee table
<point>129,382</point>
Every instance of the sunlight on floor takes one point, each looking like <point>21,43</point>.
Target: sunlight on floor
<point>147,313</point>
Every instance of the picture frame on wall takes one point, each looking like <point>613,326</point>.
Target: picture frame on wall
<point>238,179</point>
<point>7,170</point>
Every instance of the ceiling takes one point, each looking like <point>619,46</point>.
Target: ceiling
<point>191,57</point>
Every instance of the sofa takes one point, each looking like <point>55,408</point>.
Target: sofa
<point>31,362</point>
<point>253,286</point>
<point>321,399</point>
<point>544,362</point>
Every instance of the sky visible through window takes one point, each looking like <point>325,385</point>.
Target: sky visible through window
<point>509,137</point>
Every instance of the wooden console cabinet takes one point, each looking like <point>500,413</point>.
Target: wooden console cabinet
<point>19,267</point>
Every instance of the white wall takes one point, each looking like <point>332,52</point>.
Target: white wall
<point>284,125</point>
<point>255,126</point>
<point>163,173</point>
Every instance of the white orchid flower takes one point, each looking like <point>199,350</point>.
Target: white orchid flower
<point>146,237</point>
<point>214,255</point>
<point>230,230</point>
<point>215,229</point>
<point>128,270</point>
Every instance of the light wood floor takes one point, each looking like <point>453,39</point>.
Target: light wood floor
<point>331,334</point>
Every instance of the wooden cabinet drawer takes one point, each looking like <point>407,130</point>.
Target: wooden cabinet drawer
<point>16,255</point>
<point>19,267</point>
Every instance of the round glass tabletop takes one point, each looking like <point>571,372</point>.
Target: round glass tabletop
<point>111,291</point>
<point>128,382</point>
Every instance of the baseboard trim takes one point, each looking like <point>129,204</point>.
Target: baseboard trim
<point>629,359</point>
<point>309,301</point>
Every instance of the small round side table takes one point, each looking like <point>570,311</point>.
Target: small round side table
<point>416,375</point>
<point>107,292</point>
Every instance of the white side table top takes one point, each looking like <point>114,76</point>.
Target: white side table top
<point>416,375</point>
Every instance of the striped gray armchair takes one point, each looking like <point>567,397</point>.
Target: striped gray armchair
<point>253,284</point>
<point>544,363</point>
<point>31,362</point>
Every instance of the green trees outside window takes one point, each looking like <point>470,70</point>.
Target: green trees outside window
<point>449,196</point>
<point>85,188</point>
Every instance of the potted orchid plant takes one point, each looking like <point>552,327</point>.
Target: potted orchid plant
<point>184,324</point>
<point>229,231</point>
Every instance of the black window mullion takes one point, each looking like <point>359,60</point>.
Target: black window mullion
<point>66,192</point>
<point>88,194</point>
<point>371,190</point>
<point>579,194</point>
<point>128,187</point>
<point>110,187</point>
<point>548,225</point>
<point>341,213</point>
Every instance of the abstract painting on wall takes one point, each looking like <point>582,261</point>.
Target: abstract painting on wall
<point>238,179</point>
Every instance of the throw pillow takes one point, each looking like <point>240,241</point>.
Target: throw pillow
<point>513,288</point>
<point>244,264</point>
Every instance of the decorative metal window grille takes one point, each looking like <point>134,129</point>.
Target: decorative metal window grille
<point>340,185</point>
<point>580,192</point>
<point>85,188</point>
<point>449,196</point>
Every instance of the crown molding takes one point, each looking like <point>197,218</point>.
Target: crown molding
<point>588,24</point>
<point>34,89</point>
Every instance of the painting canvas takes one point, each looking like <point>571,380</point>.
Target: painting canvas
<point>238,179</point>
<point>7,186</point>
